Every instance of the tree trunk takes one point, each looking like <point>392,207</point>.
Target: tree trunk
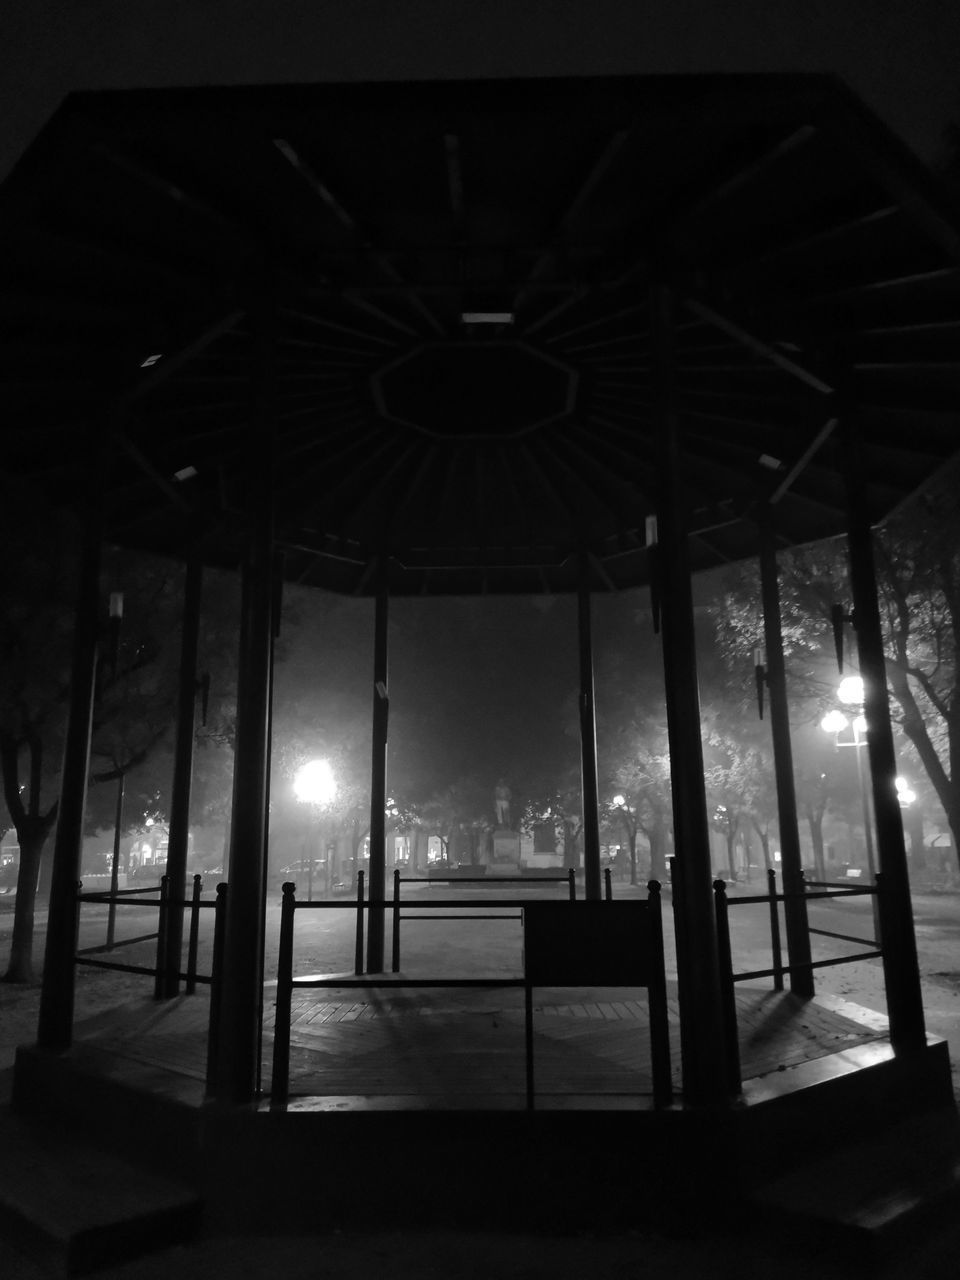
<point>20,968</point>
<point>913,822</point>
<point>632,839</point>
<point>764,844</point>
<point>571,853</point>
<point>815,823</point>
<point>731,839</point>
<point>657,836</point>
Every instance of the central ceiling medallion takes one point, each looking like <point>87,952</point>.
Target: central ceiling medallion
<point>479,389</point>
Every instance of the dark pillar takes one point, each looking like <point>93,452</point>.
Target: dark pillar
<point>701,1018</point>
<point>239,1032</point>
<point>182,772</point>
<point>55,1024</point>
<point>115,864</point>
<point>378,789</point>
<point>900,967</point>
<point>795,908</point>
<point>589,788</point>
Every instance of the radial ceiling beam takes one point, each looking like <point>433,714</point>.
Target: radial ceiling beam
<point>743,176</point>
<point>872,147</point>
<point>815,445</point>
<point>140,459</point>
<point>159,373</point>
<point>752,342</point>
<point>585,191</point>
<point>326,196</point>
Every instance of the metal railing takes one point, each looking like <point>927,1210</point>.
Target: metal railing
<point>287,983</point>
<point>515,907</point>
<point>164,903</point>
<point>813,890</point>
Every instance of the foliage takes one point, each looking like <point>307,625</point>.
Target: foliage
<point>917,556</point>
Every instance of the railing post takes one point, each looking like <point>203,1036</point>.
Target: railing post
<point>280,1083</point>
<point>115,866</point>
<point>607,884</point>
<point>194,937</point>
<point>396,920</point>
<point>659,1018</point>
<point>572,882</point>
<point>358,959</point>
<point>77,890</point>
<point>159,985</point>
<point>775,930</point>
<point>881,900</point>
<point>216,984</point>
<point>728,1000</point>
<point>310,880</point>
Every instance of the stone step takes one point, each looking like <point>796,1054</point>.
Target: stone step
<point>75,1208</point>
<point>880,1193</point>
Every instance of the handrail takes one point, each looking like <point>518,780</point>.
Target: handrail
<point>722,903</point>
<point>569,879</point>
<point>571,874</point>
<point>125,898</point>
<point>287,983</point>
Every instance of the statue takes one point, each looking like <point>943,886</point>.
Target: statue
<point>501,798</point>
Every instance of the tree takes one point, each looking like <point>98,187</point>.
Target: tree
<point>135,689</point>
<point>918,568</point>
<point>740,790</point>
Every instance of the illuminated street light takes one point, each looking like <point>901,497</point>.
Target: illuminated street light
<point>619,802</point>
<point>850,691</point>
<point>905,794</point>
<point>834,722</point>
<point>314,783</point>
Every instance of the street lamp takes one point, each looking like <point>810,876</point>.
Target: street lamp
<point>851,693</point>
<point>629,821</point>
<point>905,794</point>
<point>315,785</point>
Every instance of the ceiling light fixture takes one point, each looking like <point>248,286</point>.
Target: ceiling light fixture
<point>487,317</point>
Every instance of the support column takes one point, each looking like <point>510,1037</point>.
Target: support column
<point>55,1024</point>
<point>900,966</point>
<point>376,914</point>
<point>239,1031</point>
<point>701,1018</point>
<point>182,772</point>
<point>589,788</point>
<point>795,908</point>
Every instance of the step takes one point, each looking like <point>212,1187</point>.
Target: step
<point>880,1192</point>
<point>75,1208</point>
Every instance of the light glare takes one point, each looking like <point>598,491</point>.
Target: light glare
<point>851,691</point>
<point>314,783</point>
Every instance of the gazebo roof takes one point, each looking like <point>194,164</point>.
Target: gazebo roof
<point>143,228</point>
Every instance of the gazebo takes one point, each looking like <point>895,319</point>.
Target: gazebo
<point>565,336</point>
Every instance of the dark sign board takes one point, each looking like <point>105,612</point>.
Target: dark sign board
<point>587,944</point>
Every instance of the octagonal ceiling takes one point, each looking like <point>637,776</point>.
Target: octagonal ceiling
<point>475,389</point>
<point>803,249</point>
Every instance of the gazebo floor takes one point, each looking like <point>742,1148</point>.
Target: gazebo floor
<point>464,1050</point>
<point>414,1102</point>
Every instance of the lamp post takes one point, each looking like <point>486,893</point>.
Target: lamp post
<point>850,693</point>
<point>629,820</point>
<point>314,785</point>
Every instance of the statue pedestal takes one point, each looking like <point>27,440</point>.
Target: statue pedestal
<point>506,846</point>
